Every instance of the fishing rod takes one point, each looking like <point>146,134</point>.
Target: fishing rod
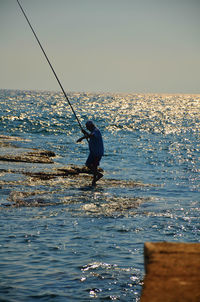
<point>50,65</point>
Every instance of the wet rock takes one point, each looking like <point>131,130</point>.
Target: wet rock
<point>44,175</point>
<point>77,170</point>
<point>29,157</point>
<point>60,172</point>
<point>11,138</point>
<point>6,145</point>
<point>12,153</point>
<point>8,141</point>
<point>47,153</point>
<point>28,199</point>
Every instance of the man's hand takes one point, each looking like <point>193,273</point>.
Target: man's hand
<point>79,140</point>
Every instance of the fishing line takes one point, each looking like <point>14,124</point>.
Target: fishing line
<point>50,65</point>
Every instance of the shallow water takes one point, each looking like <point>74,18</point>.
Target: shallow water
<point>62,240</point>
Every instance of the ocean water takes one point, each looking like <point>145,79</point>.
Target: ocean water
<point>68,241</point>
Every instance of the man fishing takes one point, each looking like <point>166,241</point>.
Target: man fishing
<point>95,139</point>
<point>96,149</point>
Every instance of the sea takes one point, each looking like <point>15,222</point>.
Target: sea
<point>62,239</point>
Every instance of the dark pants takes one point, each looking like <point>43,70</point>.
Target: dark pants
<point>93,161</point>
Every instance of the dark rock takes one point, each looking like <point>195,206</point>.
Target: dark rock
<point>33,157</point>
<point>77,170</point>
<point>42,153</point>
<point>16,155</point>
<point>11,138</point>
<point>60,172</point>
<point>28,199</point>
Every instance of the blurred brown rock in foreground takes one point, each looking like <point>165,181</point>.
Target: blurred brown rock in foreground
<point>172,272</point>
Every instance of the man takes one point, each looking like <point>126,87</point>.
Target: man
<point>96,149</point>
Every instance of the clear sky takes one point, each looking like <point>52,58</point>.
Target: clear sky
<point>133,46</point>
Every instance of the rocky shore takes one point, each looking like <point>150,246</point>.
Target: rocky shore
<point>34,177</point>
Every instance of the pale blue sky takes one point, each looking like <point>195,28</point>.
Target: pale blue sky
<point>133,46</point>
